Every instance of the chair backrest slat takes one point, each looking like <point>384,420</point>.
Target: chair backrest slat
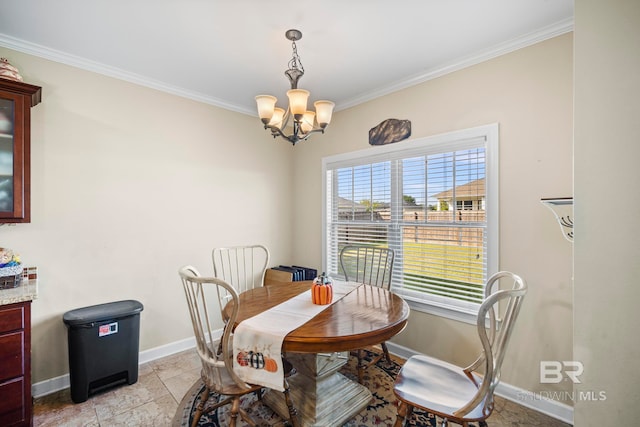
<point>243,267</point>
<point>367,264</point>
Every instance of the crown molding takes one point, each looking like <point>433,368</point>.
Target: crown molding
<point>99,68</point>
<point>529,39</point>
<point>34,49</point>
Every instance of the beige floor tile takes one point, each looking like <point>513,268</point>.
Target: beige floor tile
<point>510,414</point>
<point>124,398</point>
<point>58,410</point>
<point>156,413</point>
<point>176,364</point>
<point>179,385</point>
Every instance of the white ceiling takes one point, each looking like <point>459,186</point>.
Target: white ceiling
<point>226,52</point>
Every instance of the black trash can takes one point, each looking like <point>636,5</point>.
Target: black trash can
<point>103,346</point>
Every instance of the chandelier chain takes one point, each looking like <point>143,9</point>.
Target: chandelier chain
<point>295,59</point>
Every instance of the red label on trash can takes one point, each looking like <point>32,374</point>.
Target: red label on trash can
<point>108,329</point>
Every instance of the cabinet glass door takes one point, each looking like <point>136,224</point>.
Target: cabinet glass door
<point>6,155</point>
<point>16,100</point>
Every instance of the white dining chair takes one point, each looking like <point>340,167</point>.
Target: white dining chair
<point>464,395</point>
<point>206,298</point>
<point>372,266</point>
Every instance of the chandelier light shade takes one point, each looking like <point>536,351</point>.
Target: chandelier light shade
<point>266,105</point>
<point>296,123</point>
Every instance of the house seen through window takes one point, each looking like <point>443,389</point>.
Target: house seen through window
<point>428,200</point>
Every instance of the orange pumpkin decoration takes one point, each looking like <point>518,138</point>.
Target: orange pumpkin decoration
<point>322,290</point>
<point>270,365</point>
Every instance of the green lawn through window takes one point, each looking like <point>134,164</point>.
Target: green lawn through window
<point>444,269</point>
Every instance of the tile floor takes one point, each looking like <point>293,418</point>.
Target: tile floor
<point>153,401</point>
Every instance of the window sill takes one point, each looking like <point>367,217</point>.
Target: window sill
<point>447,312</point>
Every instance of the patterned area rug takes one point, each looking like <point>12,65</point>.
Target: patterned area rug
<point>381,411</point>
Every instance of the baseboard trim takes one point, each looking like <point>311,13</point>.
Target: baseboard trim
<point>49,386</point>
<point>52,385</point>
<point>552,408</point>
<point>166,350</point>
<point>518,395</point>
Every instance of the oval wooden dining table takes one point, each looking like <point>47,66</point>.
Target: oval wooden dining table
<point>323,397</point>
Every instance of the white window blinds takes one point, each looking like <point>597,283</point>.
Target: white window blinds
<point>429,200</point>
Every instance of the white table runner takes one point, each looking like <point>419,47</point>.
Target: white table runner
<point>257,341</point>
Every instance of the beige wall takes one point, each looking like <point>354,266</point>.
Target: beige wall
<point>607,252</point>
<point>129,184</point>
<point>529,93</point>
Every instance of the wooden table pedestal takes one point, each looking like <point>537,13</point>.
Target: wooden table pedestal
<point>323,396</point>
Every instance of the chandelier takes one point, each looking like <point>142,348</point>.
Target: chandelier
<point>304,122</point>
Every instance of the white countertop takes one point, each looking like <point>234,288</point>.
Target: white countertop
<point>27,291</point>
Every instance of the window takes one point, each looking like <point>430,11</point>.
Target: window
<point>464,205</point>
<point>432,200</point>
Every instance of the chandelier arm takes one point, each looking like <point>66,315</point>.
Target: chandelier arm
<point>301,137</point>
<point>314,130</point>
<point>294,137</point>
<point>276,130</point>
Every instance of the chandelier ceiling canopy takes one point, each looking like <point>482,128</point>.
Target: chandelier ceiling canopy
<point>303,122</point>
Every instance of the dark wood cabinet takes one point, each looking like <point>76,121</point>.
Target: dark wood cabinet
<point>16,100</point>
<point>15,365</point>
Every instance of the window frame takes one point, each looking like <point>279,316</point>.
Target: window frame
<point>446,142</point>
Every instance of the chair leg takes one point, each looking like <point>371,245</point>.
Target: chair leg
<point>361,366</point>
<point>385,350</point>
<point>293,414</point>
<point>247,419</point>
<point>235,406</point>
<point>200,408</point>
<point>404,413</point>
